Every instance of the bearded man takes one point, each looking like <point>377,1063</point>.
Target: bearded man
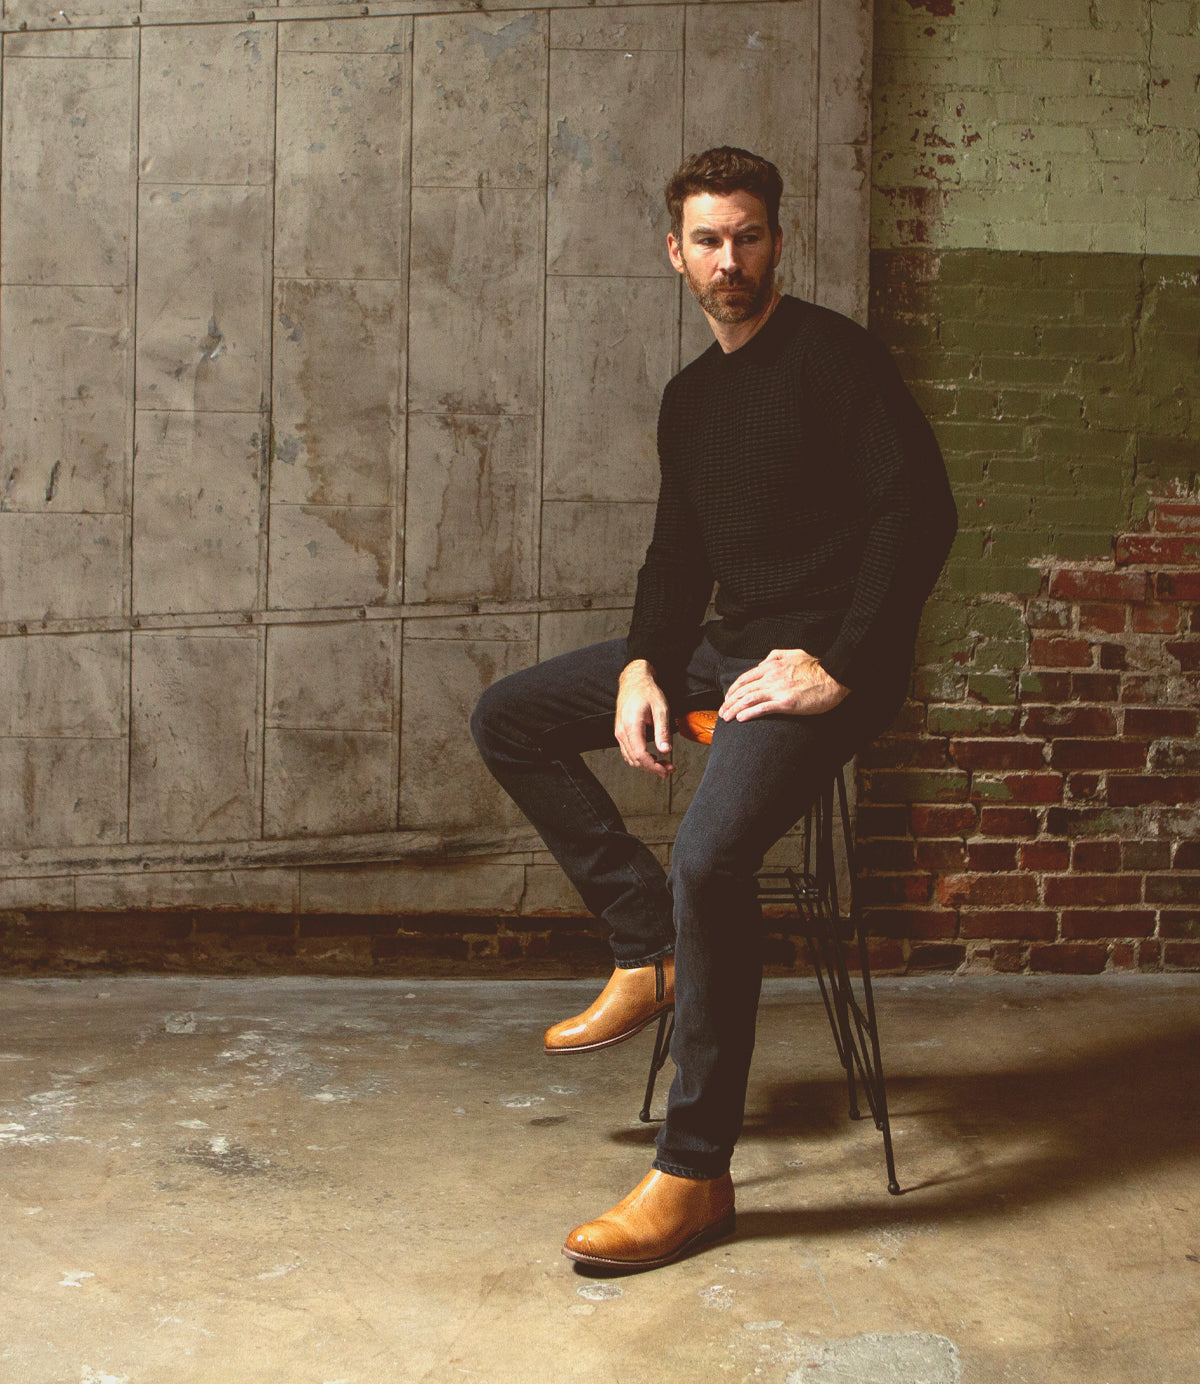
<point>799,478</point>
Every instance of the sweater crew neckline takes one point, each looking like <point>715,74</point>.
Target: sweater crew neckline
<point>763,343</point>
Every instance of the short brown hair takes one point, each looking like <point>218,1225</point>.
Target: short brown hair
<point>721,171</point>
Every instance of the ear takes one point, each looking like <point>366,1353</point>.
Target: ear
<point>674,251</point>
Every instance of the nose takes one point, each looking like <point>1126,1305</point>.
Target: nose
<point>728,259</point>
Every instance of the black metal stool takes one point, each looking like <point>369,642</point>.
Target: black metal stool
<point>813,892</point>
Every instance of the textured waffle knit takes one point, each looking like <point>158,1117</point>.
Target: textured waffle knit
<point>799,475</point>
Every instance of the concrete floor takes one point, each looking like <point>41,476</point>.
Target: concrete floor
<point>344,1181</point>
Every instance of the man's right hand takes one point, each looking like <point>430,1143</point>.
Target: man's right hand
<point>641,708</point>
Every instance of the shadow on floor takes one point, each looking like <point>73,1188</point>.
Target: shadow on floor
<point>982,1144</point>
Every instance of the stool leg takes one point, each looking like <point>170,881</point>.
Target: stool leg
<point>662,1047</point>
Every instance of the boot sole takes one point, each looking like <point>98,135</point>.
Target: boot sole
<point>717,1231</point>
<point>611,1042</point>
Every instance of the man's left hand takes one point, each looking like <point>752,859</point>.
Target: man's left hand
<point>787,681</point>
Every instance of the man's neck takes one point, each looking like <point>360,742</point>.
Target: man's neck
<point>733,335</point>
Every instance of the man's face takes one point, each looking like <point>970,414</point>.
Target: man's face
<point>727,254</point>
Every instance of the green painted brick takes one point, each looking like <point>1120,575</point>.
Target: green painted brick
<point>977,580</point>
<point>1001,653</point>
<point>967,719</point>
<point>996,620</point>
<point>939,683</point>
<point>995,689</point>
<point>1044,370</point>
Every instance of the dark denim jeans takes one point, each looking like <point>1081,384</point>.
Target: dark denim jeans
<point>760,778</point>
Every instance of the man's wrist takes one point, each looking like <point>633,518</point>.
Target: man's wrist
<point>636,669</point>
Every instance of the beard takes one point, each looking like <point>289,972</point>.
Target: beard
<point>732,300</point>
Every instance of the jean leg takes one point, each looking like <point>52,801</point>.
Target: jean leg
<point>531,729</point>
<point>761,777</point>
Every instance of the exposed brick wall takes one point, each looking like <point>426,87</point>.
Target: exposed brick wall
<point>1047,817</point>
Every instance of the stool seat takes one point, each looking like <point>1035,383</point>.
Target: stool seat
<point>697,726</point>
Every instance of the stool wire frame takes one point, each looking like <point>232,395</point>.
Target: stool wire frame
<point>813,892</point>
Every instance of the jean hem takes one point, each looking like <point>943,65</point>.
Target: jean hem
<point>646,961</point>
<point>676,1170</point>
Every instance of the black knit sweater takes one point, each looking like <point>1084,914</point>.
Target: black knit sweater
<point>801,477</point>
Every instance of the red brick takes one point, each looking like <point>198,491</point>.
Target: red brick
<point>875,819</point>
<point>1156,619</point>
<point>1104,619</point>
<point>997,754</point>
<point>1046,855</point>
<point>1107,922</point>
<point>904,752</point>
<point>1096,855</point>
<point>1084,787</point>
<point>1146,855</point>
<point>937,956</point>
<point>1176,516</point>
<point>1009,958</point>
<point>1112,656</point>
<point>1161,722</point>
<point>924,923</point>
<point>1048,615</point>
<point>1173,888</point>
<point>1095,687</point>
<point>1077,584</point>
<point>1186,652</point>
<point>1033,788</point>
<point>1093,821</point>
<point>1130,789</point>
<point>936,819</point>
<point>942,854</point>
<point>1069,958</point>
<point>1149,955</point>
<point>1092,889</point>
<point>1056,721</point>
<point>1155,550</point>
<point>989,889</point>
<point>1098,754</point>
<point>992,855</point>
<point>1180,922</point>
<point>876,855</point>
<point>1187,855</point>
<point>886,956</point>
<point>1045,652</point>
<point>1123,956</point>
<point>1177,586</point>
<point>902,888</point>
<point>1028,924</point>
<point>1008,821</point>
<point>1181,956</point>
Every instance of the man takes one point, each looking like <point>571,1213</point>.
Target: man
<point>800,478</point>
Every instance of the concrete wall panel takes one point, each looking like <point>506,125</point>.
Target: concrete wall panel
<point>330,555</point>
<point>593,547</point>
<point>472,512</point>
<point>476,301</point>
<point>61,566</point>
<point>62,792</point>
<point>626,28</point>
<point>194,765</point>
<point>65,686</point>
<point>260,891</point>
<point>614,142</point>
<point>442,780</point>
<point>383,35</point>
<point>203,287</point>
<point>745,63</point>
<point>843,247</point>
<point>609,354</point>
<point>338,387</point>
<point>196,526</point>
<point>64,410</point>
<point>467,888</point>
<point>342,148</point>
<point>207,104</point>
<point>479,100</point>
<point>326,782</point>
<point>66,176</point>
<point>332,677</point>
